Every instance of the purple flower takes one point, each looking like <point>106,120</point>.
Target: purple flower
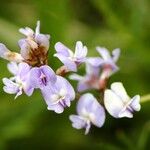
<point>43,76</point>
<point>59,95</point>
<point>19,83</point>
<point>89,112</point>
<point>118,103</point>
<point>106,61</point>
<point>68,58</point>
<point>56,90</point>
<point>88,81</point>
<point>34,40</point>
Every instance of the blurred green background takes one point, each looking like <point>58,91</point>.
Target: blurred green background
<point>26,124</point>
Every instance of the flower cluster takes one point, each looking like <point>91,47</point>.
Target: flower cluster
<point>30,71</point>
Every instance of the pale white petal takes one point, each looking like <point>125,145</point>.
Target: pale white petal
<point>26,31</point>
<point>76,77</point>
<point>119,90</point>
<point>113,103</point>
<point>12,67</point>
<point>116,54</point>
<point>125,113</point>
<point>80,50</point>
<point>78,122</point>
<point>135,103</point>
<point>104,53</point>
<point>57,108</point>
<point>37,30</point>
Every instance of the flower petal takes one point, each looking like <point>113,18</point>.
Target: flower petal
<point>13,67</point>
<point>76,77</point>
<point>125,113</point>
<point>63,83</point>
<point>43,41</point>
<point>80,50</point>
<point>35,76</point>
<point>23,70</point>
<point>119,90</point>
<point>113,103</point>
<point>116,54</point>
<point>3,50</point>
<point>62,49</point>
<point>104,53</point>
<point>50,74</point>
<point>77,121</point>
<point>82,86</point>
<point>88,106</point>
<point>51,90</point>
<point>71,65</point>
<point>27,31</point>
<point>135,103</point>
<point>25,48</point>
<point>57,108</point>
<point>92,70</point>
<point>95,61</point>
<point>10,87</point>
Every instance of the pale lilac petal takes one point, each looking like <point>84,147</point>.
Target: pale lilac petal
<point>25,48</point>
<point>92,70</point>
<point>28,89</point>
<point>82,86</point>
<point>3,50</point>
<point>57,108</point>
<point>104,53</point>
<point>10,87</point>
<point>77,121</point>
<point>88,105</point>
<point>42,40</point>
<point>80,50</point>
<point>35,77</point>
<point>84,103</point>
<point>97,114</point>
<point>135,103</point>
<point>67,102</point>
<point>95,61</point>
<point>42,76</point>
<point>55,90</point>
<point>63,83</point>
<point>13,67</point>
<point>23,70</point>
<point>115,54</point>
<point>50,74</point>
<point>71,65</point>
<point>62,49</point>
<point>113,103</point>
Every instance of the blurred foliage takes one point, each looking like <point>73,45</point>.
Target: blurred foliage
<point>25,123</point>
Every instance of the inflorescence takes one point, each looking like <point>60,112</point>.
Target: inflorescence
<point>30,71</point>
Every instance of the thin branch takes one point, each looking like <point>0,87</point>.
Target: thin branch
<point>145,98</point>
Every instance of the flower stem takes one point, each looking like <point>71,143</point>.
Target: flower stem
<point>145,98</point>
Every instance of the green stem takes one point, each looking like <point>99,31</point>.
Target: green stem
<point>145,98</point>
